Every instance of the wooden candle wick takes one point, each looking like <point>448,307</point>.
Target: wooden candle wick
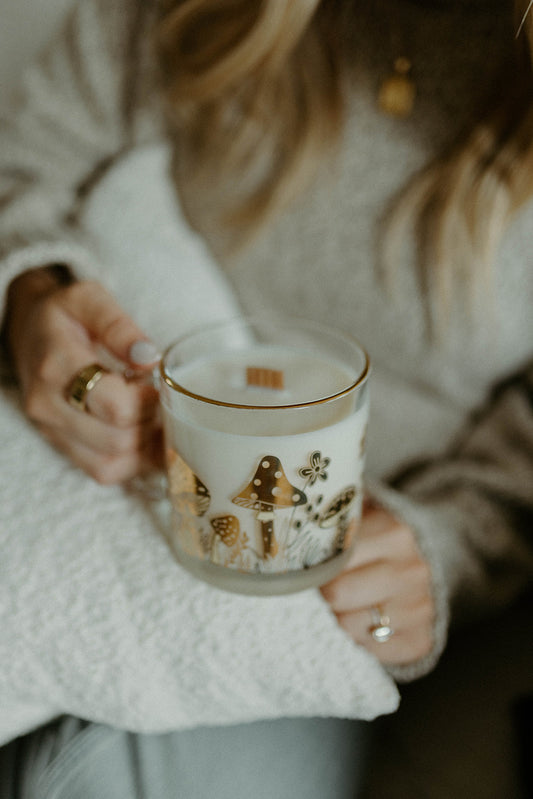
<point>264,378</point>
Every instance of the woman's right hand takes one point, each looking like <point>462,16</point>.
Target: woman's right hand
<point>52,332</point>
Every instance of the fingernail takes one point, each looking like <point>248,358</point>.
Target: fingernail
<point>143,352</point>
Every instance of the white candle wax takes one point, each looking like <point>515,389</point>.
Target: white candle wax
<point>269,489</point>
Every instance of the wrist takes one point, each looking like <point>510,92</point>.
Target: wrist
<point>39,280</point>
<point>27,287</point>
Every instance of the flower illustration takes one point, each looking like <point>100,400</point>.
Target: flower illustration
<point>316,469</point>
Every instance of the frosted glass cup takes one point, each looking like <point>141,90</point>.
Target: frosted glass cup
<point>265,426</point>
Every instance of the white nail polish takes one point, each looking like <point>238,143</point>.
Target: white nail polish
<point>144,352</point>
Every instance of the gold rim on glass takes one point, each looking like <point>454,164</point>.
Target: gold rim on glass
<point>211,401</point>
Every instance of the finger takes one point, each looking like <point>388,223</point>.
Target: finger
<point>106,439</point>
<point>112,400</point>
<point>105,469</point>
<point>412,636</point>
<point>403,616</point>
<point>103,438</point>
<point>375,583</point>
<point>402,649</point>
<point>107,323</point>
<point>120,403</point>
<point>380,536</point>
<point>128,422</point>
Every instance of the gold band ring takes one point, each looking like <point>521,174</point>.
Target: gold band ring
<point>82,382</point>
<point>380,630</point>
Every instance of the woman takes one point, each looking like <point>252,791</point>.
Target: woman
<point>251,99</point>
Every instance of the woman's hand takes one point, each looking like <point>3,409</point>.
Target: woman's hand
<point>52,332</point>
<point>386,576</point>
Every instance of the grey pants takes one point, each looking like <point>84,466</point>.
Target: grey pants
<point>284,759</point>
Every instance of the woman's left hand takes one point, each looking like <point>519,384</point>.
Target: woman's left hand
<point>386,577</point>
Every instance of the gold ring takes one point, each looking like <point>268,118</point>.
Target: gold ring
<point>82,382</point>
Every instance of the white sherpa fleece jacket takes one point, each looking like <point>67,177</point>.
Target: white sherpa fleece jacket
<point>97,619</point>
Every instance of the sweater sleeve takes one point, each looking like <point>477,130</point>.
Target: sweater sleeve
<point>68,119</point>
<point>472,511</point>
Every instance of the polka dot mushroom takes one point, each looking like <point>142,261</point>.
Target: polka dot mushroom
<point>269,489</point>
<point>227,528</point>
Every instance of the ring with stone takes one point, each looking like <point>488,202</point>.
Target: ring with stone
<point>380,629</point>
<point>82,383</point>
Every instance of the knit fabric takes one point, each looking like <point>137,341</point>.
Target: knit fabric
<point>97,618</point>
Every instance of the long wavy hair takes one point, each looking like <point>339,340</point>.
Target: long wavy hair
<point>256,88</point>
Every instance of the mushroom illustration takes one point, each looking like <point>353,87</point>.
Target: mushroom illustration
<point>268,489</point>
<point>227,528</point>
<point>185,485</point>
<point>337,514</point>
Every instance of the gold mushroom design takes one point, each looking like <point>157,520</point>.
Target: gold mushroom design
<point>185,486</point>
<point>269,489</point>
<point>336,515</point>
<point>227,530</point>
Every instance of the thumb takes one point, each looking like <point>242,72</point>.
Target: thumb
<point>108,324</point>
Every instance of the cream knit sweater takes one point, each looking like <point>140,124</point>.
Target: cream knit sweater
<point>96,618</point>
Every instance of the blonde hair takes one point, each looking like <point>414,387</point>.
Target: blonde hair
<point>461,203</point>
<point>255,88</point>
